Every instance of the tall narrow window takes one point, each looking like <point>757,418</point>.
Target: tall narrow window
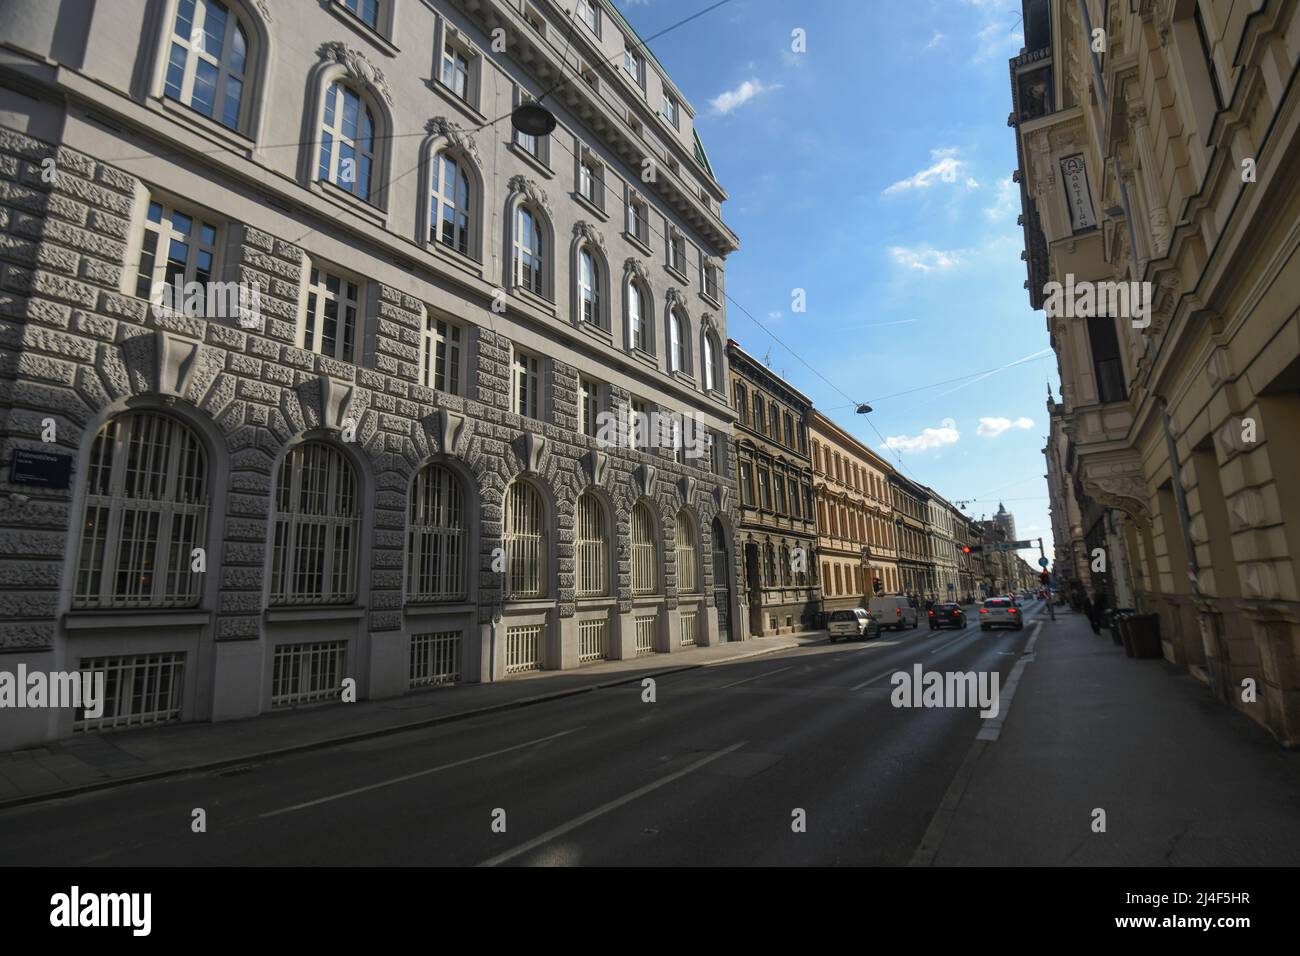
<point>710,280</point>
<point>178,247</point>
<point>645,561</point>
<point>712,374</point>
<point>146,512</point>
<point>638,221</point>
<point>591,548</point>
<point>588,407</point>
<point>758,412</point>
<point>740,399</point>
<point>589,182</point>
<point>449,207</point>
<point>669,109</point>
<point>528,250</point>
<point>455,71</point>
<point>764,489</point>
<point>525,385</point>
<point>636,316</point>
<point>676,252</point>
<point>525,542</point>
<point>207,65</point>
<point>688,559</point>
<point>589,288</point>
<point>317,522</point>
<point>347,141</point>
<point>443,357</point>
<point>633,64</point>
<point>1106,362</point>
<point>746,485</point>
<point>435,544</point>
<point>676,350</point>
<point>589,13</point>
<point>329,320</point>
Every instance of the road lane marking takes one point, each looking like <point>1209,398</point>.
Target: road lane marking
<point>737,683</point>
<point>872,680</point>
<point>605,808</point>
<point>418,773</point>
<point>963,636</point>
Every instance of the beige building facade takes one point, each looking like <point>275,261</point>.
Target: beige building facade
<point>1170,164</point>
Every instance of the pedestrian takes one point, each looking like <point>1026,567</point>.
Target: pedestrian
<point>1090,609</point>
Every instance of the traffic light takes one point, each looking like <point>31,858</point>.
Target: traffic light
<point>965,549</point>
<point>1046,577</point>
<point>876,586</point>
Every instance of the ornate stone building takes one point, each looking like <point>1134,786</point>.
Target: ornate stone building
<point>854,519</point>
<point>387,461</point>
<point>776,514</point>
<point>1160,185</point>
<point>911,510</point>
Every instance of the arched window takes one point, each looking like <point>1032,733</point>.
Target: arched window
<point>712,371</point>
<point>688,561</point>
<point>146,513</point>
<point>676,343</point>
<point>525,541</point>
<point>637,332</point>
<point>449,204</point>
<point>435,537</point>
<point>591,548</point>
<point>207,62</point>
<point>317,523</point>
<point>528,250</point>
<point>645,561</point>
<point>589,288</point>
<point>347,141</point>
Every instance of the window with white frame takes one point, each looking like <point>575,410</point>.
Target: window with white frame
<point>589,13</point>
<point>712,370</point>
<point>317,524</point>
<point>177,247</point>
<point>676,342</point>
<point>525,385</point>
<point>527,242</point>
<point>146,512</point>
<point>589,406</point>
<point>676,440</point>
<point>709,279</point>
<point>638,219</point>
<point>208,61</point>
<point>645,560</point>
<point>443,356</point>
<point>639,423</point>
<point>328,323</point>
<point>449,202</point>
<point>591,548</point>
<point>589,294</point>
<point>712,453</point>
<point>764,489</point>
<point>456,74</point>
<point>676,252</point>
<point>688,558</point>
<point>367,11</point>
<point>535,146</point>
<point>633,63</point>
<point>746,485</point>
<point>435,537</point>
<point>525,542</point>
<point>590,181</point>
<point>670,109</point>
<point>637,328</point>
<point>347,144</point>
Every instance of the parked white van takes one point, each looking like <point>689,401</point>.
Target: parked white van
<point>892,611</point>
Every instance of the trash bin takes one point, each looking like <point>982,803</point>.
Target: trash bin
<point>1115,623</point>
<point>1144,635</point>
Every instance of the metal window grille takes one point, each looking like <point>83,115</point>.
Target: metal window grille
<point>592,548</point>
<point>523,648</point>
<point>688,560</point>
<point>314,548</point>
<point>690,628</point>
<point>303,673</point>
<point>525,541</point>
<point>435,544</point>
<point>138,690</point>
<point>146,513</point>
<point>593,641</point>
<point>644,560</point>
<point>646,628</point>
<point>435,658</point>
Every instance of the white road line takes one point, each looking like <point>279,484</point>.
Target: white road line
<point>872,680</point>
<point>419,773</point>
<point>737,683</point>
<point>963,636</point>
<point>992,728</point>
<point>601,810</point>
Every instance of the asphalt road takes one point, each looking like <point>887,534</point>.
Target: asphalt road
<point>712,772</point>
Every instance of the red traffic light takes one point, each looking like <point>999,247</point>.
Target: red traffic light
<point>965,549</point>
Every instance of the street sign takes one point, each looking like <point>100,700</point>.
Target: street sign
<point>1043,562</point>
<point>47,469</point>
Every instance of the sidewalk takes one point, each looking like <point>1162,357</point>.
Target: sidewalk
<point>1184,779</point>
<point>94,761</point>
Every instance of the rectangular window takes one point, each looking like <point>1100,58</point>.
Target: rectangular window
<point>590,185</point>
<point>633,64</point>
<point>589,13</point>
<point>712,453</point>
<point>589,392</point>
<point>746,485</point>
<point>435,658</point>
<point>638,220</point>
<point>709,273</point>
<point>741,401</point>
<point>1106,362</point>
<point>593,640</point>
<point>455,71</point>
<point>640,424</point>
<point>443,356</point>
<point>758,412</point>
<point>328,322</point>
<point>302,673</point>
<point>646,628</point>
<point>524,648</point>
<point>775,423</point>
<point>782,506</point>
<point>525,385</point>
<point>138,690</point>
<point>677,252</point>
<point>789,430</point>
<point>178,247</point>
<point>366,10</point>
<point>764,489</point>
<point>669,109</point>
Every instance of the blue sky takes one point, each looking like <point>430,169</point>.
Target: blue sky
<point>873,171</point>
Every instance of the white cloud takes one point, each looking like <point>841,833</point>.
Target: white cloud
<point>1006,202</point>
<point>925,259</point>
<point>993,427</point>
<point>934,40</point>
<point>729,100</point>
<point>944,168</point>
<point>945,434</point>
<point>775,316</point>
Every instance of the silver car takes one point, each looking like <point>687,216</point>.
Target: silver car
<point>1001,612</point>
<point>851,623</point>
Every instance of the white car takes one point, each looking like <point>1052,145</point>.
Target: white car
<point>892,611</point>
<point>1001,612</point>
<point>850,623</point>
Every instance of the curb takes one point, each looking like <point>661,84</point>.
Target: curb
<point>265,755</point>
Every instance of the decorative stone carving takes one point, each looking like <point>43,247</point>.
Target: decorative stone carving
<point>647,474</point>
<point>1219,366</point>
<point>450,426</point>
<point>590,233</point>
<point>266,10</point>
<point>596,464</point>
<point>176,363</point>
<point>708,323</point>
<point>686,485</point>
<point>674,296</point>
<point>530,446</point>
<point>456,135</point>
<point>358,67</point>
<point>335,402</point>
<point>522,184</point>
<point>637,268</point>
<point>722,497</point>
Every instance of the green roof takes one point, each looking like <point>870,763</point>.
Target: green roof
<point>701,156</point>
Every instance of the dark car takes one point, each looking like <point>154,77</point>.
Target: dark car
<point>947,615</point>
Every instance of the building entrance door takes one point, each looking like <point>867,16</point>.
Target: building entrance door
<point>722,572</point>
